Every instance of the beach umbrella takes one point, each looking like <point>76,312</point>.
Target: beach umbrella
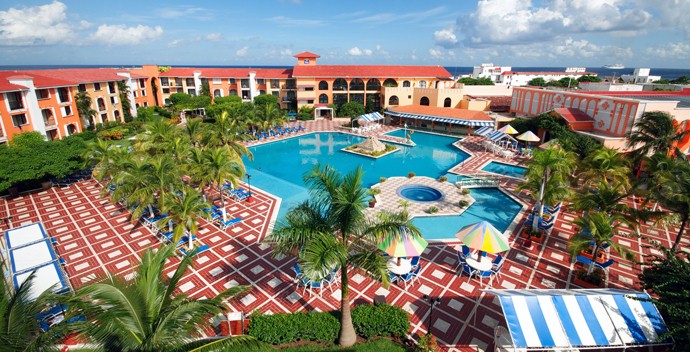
<point>483,237</point>
<point>403,245</point>
<point>508,129</point>
<point>528,137</point>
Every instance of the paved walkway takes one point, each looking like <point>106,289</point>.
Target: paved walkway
<point>96,236</point>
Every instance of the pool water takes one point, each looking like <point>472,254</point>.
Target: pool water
<point>419,193</point>
<point>505,169</point>
<point>279,167</point>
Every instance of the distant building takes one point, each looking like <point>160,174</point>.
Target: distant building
<point>490,71</point>
<point>521,78</point>
<point>640,75</point>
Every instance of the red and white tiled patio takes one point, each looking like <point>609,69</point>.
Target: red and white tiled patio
<point>96,237</point>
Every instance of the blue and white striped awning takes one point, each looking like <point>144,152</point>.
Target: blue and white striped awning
<point>370,117</point>
<point>567,319</point>
<point>498,135</point>
<point>461,122</point>
<point>484,131</point>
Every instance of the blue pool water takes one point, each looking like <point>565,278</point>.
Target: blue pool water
<point>420,193</point>
<point>278,168</point>
<point>505,169</point>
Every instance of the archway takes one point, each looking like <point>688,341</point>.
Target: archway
<point>393,100</point>
<point>373,84</point>
<point>390,83</point>
<point>406,84</point>
<point>424,101</point>
<point>447,103</point>
<point>323,99</point>
<point>217,93</point>
<point>340,84</point>
<point>356,84</point>
<point>323,85</point>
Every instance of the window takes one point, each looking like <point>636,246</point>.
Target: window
<point>113,100</point>
<point>71,129</point>
<point>424,101</point>
<point>244,83</point>
<point>191,91</point>
<point>143,92</point>
<point>390,83</point>
<point>47,114</point>
<point>167,101</point>
<point>323,99</point>
<point>142,83</point>
<point>447,102</point>
<point>340,84</point>
<point>260,81</point>
<point>19,120</point>
<point>82,87</point>
<point>104,117</point>
<point>406,84</point>
<point>323,85</point>
<point>166,90</point>
<point>96,86</point>
<point>179,90</point>
<point>190,81</point>
<point>276,94</point>
<point>217,93</point>
<point>165,82</point>
<point>117,116</point>
<point>275,83</point>
<point>136,105</point>
<point>15,101</point>
<point>232,81</point>
<point>245,94</point>
<point>101,104</point>
<point>373,84</point>
<point>134,93</point>
<point>146,104</point>
<point>262,92</point>
<point>422,84</point>
<point>393,100</point>
<point>111,87</point>
<point>310,101</point>
<point>42,94</point>
<point>66,110</point>
<point>233,92</point>
<point>63,95</point>
<point>309,89</point>
<point>356,84</point>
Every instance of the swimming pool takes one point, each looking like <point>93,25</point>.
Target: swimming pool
<point>505,169</point>
<point>420,193</point>
<point>278,168</point>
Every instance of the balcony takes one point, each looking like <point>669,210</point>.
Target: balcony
<point>50,123</point>
<point>289,86</point>
<point>16,105</point>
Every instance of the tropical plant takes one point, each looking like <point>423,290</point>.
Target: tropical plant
<point>224,131</point>
<point>655,132</point>
<point>195,168</point>
<point>670,186</point>
<point>184,211</point>
<point>609,198</point>
<point>331,231</point>
<point>597,229</point>
<point>549,166</point>
<point>195,130</point>
<point>223,167</point>
<point>156,134</point>
<point>608,166</point>
<point>146,313</point>
<point>124,92</point>
<point>84,102</point>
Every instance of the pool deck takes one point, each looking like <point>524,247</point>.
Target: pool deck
<point>95,236</point>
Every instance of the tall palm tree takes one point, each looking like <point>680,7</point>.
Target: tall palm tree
<point>100,154</point>
<point>146,314</point>
<point>332,231</point>
<point>156,134</point>
<point>670,186</point>
<point>223,166</point>
<point>195,130</point>
<point>178,147</point>
<point>124,92</point>
<point>608,166</point>
<point>596,230</point>
<point>19,329</point>
<point>655,132</point>
<point>546,164</point>
<point>226,132</point>
<point>609,198</point>
<point>185,212</point>
<point>195,168</point>
<point>84,103</point>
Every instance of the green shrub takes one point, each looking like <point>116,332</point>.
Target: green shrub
<point>382,179</point>
<point>380,320</point>
<point>443,179</point>
<point>432,210</point>
<point>287,328</point>
<point>410,174</point>
<point>463,203</point>
<point>465,191</point>
<point>374,191</point>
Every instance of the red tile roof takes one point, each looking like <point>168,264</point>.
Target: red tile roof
<point>371,71</point>
<point>453,113</point>
<point>5,85</point>
<point>228,72</point>
<point>499,103</point>
<point>306,54</point>
<point>79,75</point>
<point>577,119</point>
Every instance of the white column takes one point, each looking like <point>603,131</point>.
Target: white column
<point>252,86</point>
<point>31,101</point>
<point>132,84</point>
<point>197,82</point>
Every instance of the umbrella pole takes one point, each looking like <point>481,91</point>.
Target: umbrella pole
<point>399,261</point>
<point>479,255</point>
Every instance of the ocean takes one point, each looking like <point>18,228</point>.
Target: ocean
<point>665,73</point>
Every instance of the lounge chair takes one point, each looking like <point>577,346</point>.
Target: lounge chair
<point>604,265</point>
<point>184,252</point>
<point>228,223</point>
<point>241,194</point>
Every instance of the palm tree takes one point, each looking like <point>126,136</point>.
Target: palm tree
<point>178,147</point>
<point>84,102</point>
<point>195,130</point>
<point>608,198</point>
<point>185,212</point>
<point>226,133</point>
<point>19,329</point>
<point>655,132</point>
<point>124,93</point>
<point>156,134</point>
<point>331,231</point>
<point>146,314</point>
<point>670,186</point>
<point>546,164</point>
<point>608,166</point>
<point>195,168</point>
<point>596,230</point>
<point>222,166</point>
<point>99,153</point>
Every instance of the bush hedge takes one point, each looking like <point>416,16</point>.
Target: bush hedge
<point>369,321</point>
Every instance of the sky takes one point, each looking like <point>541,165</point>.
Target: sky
<point>551,33</point>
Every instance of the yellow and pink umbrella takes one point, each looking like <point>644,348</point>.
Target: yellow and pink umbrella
<point>483,237</point>
<point>403,245</point>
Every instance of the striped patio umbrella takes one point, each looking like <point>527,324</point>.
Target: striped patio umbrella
<point>508,129</point>
<point>483,237</point>
<point>528,137</point>
<point>403,245</point>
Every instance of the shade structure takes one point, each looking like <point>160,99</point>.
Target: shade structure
<point>404,245</point>
<point>484,237</point>
<point>371,117</point>
<point>454,121</point>
<point>484,131</point>
<point>508,129</point>
<point>528,137</point>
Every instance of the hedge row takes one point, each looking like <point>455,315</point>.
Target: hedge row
<point>369,321</point>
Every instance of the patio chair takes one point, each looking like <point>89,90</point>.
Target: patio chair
<point>465,250</point>
<point>313,285</point>
<point>414,262</point>
<point>496,268</point>
<point>461,261</point>
<point>184,252</point>
<point>482,274</point>
<point>497,261</point>
<point>604,265</point>
<point>469,271</point>
<point>409,278</point>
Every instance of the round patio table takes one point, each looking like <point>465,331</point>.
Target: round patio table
<point>402,269</point>
<point>483,265</point>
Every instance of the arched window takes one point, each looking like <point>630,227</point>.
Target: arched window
<point>117,115</point>
<point>356,84</point>
<point>323,99</point>
<point>424,101</point>
<point>446,103</point>
<point>323,85</point>
<point>340,84</point>
<point>373,84</point>
<point>422,84</point>
<point>390,83</point>
<point>216,93</point>
<point>406,84</point>
<point>71,129</point>
<point>393,100</point>
<point>101,104</point>
<point>233,92</point>
<point>136,105</point>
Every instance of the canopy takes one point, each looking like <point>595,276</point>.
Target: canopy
<point>484,131</point>
<point>498,135</point>
<point>528,137</point>
<point>371,117</point>
<point>454,121</point>
<point>579,319</point>
<point>403,245</point>
<point>508,129</point>
<point>483,236</point>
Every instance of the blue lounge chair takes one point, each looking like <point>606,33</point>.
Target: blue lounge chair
<point>201,249</point>
<point>604,265</point>
<point>393,277</point>
<point>229,223</point>
<point>242,195</point>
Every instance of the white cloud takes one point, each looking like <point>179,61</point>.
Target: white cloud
<point>675,14</point>
<point>408,17</point>
<point>295,22</point>
<point>120,34</point>
<point>446,37</point>
<point>36,25</point>
<point>285,52</point>
<point>241,52</point>
<point>84,24</point>
<point>436,53</point>
<point>214,37</point>
<point>677,50</point>
<point>359,52</point>
<point>175,43</point>
<point>181,11</point>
